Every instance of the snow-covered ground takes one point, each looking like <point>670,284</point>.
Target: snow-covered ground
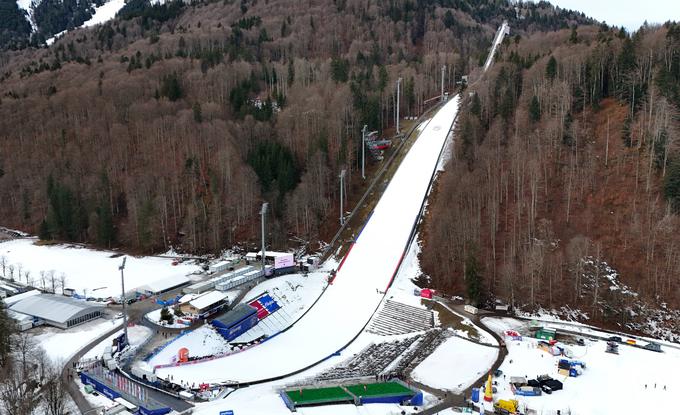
<point>60,345</point>
<point>294,292</point>
<point>155,317</point>
<point>500,34</point>
<point>105,12</point>
<point>455,365</point>
<point>350,301</point>
<point>203,341</point>
<point>136,334</point>
<point>90,272</point>
<point>634,381</point>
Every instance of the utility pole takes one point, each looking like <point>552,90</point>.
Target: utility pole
<point>263,213</point>
<point>443,70</point>
<point>363,152</point>
<point>342,196</point>
<point>398,90</point>
<point>122,287</point>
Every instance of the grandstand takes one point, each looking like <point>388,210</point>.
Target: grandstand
<point>398,318</point>
<point>414,355</point>
<point>272,315</point>
<point>373,360</point>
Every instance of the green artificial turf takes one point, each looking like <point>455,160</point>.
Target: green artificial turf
<point>320,395</point>
<point>379,389</point>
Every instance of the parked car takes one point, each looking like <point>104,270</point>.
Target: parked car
<point>117,316</point>
<point>131,300</point>
<point>580,341</point>
<point>547,389</point>
<point>615,339</point>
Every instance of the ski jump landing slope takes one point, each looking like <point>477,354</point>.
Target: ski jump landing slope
<point>347,305</point>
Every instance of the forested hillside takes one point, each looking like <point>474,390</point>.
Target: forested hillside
<point>172,123</point>
<point>565,186</point>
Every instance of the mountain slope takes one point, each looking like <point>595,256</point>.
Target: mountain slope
<point>170,124</point>
<point>565,167</point>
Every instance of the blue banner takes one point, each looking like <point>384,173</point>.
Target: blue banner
<point>269,303</point>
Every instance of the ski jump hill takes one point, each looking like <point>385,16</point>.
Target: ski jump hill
<point>368,269</point>
<point>350,301</point>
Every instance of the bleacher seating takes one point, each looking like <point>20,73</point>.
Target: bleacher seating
<point>398,318</point>
<point>412,358</point>
<point>373,360</point>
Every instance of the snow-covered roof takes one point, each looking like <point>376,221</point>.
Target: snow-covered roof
<point>207,299</point>
<point>164,284</point>
<point>18,316</point>
<point>186,298</point>
<point>16,298</point>
<point>54,307</point>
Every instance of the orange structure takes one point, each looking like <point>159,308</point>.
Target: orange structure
<point>183,354</point>
<point>488,391</point>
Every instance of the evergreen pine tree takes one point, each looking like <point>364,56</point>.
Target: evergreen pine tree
<point>551,69</point>
<point>473,278</point>
<point>573,38</point>
<point>534,109</point>
<point>7,329</point>
<point>449,21</point>
<point>671,185</point>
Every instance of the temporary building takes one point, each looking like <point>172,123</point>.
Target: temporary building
<point>164,284</point>
<point>236,322</point>
<point>23,321</point>
<point>57,310</point>
<point>546,333</point>
<point>16,298</point>
<point>205,304</point>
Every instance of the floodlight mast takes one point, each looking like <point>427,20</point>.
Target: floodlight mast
<point>363,152</point>
<point>342,196</point>
<point>398,93</point>
<point>263,214</point>
<point>124,300</point>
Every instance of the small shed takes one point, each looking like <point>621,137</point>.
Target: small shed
<point>545,333</point>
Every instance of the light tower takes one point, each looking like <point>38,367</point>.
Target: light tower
<point>122,287</point>
<point>398,93</point>
<point>443,71</point>
<point>263,214</point>
<point>363,151</point>
<point>342,196</point>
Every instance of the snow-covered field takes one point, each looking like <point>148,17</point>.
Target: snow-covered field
<point>634,381</point>
<point>455,365</point>
<point>60,345</point>
<point>349,302</point>
<point>90,272</point>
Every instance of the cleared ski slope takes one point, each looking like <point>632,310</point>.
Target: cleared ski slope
<point>348,304</point>
<point>500,35</point>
